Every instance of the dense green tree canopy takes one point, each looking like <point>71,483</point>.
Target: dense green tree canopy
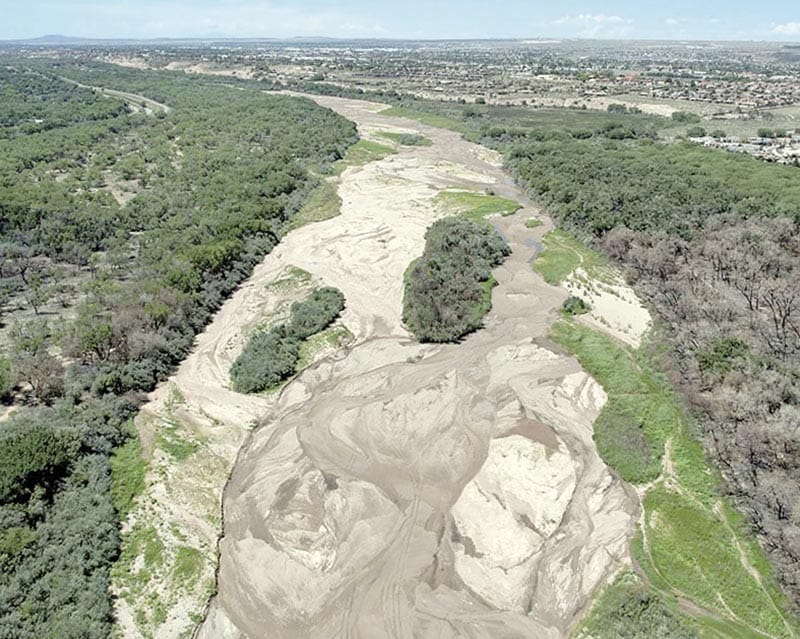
<point>139,225</point>
<point>448,289</point>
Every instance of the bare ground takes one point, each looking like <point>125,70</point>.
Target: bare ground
<point>401,490</point>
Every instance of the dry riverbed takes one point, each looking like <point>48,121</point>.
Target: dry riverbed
<point>392,489</point>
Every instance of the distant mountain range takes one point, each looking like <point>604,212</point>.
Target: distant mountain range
<point>63,40</point>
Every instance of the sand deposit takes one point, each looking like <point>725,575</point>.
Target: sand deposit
<point>406,490</point>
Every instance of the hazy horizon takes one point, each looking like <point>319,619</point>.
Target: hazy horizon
<point>777,21</point>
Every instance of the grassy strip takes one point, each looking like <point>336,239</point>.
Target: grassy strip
<point>323,204</point>
<point>128,469</point>
<point>475,206</point>
<point>693,547</point>
<point>431,119</point>
<point>640,415</point>
<point>406,139</point>
<point>484,305</point>
<point>361,153</point>
<point>562,254</point>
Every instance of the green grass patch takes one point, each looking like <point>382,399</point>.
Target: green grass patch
<point>144,542</point>
<point>128,468</point>
<point>291,279</point>
<point>694,546</point>
<point>696,552</point>
<point>562,254</point>
<point>406,139</point>
<point>475,206</point>
<point>174,443</point>
<point>323,204</point>
<point>431,119</point>
<point>361,153</point>
<point>484,305</point>
<point>533,223</point>
<point>188,564</point>
<point>641,412</point>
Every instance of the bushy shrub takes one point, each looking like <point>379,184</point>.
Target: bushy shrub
<point>315,313</point>
<point>33,453</point>
<point>268,359</point>
<point>629,609</point>
<point>574,305</point>
<point>6,378</point>
<point>685,117</point>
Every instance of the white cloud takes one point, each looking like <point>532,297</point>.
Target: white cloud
<point>245,18</point>
<point>787,28</point>
<point>595,25</point>
<point>591,18</point>
<point>674,22</point>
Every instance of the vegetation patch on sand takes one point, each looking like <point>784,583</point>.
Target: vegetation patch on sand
<point>562,254</point>
<point>128,469</point>
<point>406,139</point>
<point>271,356</point>
<point>431,119</point>
<point>448,289</point>
<point>323,204</point>
<point>475,206</point>
<point>361,153</point>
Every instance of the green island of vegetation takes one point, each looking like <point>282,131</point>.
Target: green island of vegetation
<point>271,356</point>
<point>448,290</point>
<point>361,153</point>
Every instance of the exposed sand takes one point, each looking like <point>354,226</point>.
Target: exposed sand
<point>406,490</point>
<point>616,310</point>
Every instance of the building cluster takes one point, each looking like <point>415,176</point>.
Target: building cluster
<point>783,150</point>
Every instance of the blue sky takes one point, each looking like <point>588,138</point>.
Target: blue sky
<point>678,19</point>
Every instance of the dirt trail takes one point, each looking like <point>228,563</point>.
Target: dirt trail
<point>400,490</point>
<point>134,100</point>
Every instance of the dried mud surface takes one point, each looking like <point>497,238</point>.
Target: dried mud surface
<point>404,490</point>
